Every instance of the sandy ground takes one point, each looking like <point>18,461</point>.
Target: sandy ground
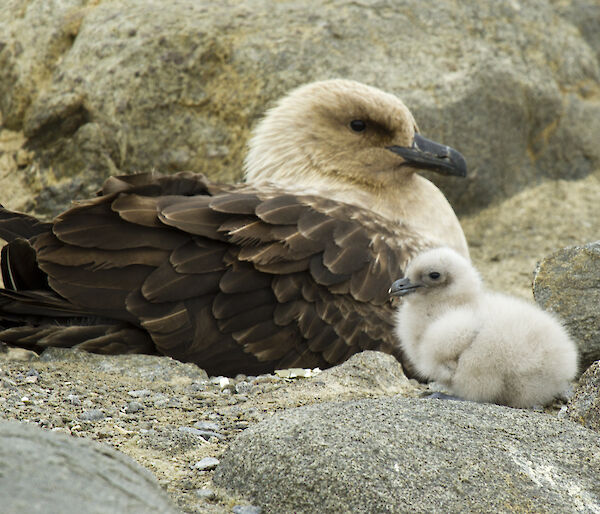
<point>508,239</point>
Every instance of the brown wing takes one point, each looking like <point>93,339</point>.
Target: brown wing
<point>234,280</point>
<point>20,226</point>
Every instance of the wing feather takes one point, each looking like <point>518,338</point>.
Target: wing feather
<point>282,209</point>
<point>166,284</point>
<point>141,210</point>
<point>227,305</point>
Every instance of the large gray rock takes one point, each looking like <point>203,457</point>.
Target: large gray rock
<point>568,283</point>
<point>407,455</point>
<point>585,15</point>
<point>105,87</point>
<point>42,471</point>
<point>584,406</point>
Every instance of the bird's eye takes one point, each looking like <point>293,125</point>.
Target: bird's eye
<point>358,125</point>
<point>434,275</point>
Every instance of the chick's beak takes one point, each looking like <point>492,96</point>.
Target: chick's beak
<point>402,287</point>
<point>429,155</point>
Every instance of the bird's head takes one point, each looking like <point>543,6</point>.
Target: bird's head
<point>343,134</point>
<point>439,275</point>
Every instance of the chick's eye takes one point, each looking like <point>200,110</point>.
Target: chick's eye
<point>434,275</point>
<point>358,125</point>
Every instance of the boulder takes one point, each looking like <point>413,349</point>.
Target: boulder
<point>414,455</point>
<point>568,283</point>
<point>366,374</point>
<point>99,88</point>
<point>585,15</point>
<point>43,471</point>
<point>584,406</point>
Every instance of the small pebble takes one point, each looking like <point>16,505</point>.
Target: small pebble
<point>246,509</point>
<point>206,494</point>
<point>141,393</point>
<point>133,407</point>
<point>61,430</point>
<point>207,425</point>
<point>32,376</point>
<point>206,464</point>
<point>92,415</point>
<point>297,372</point>
<point>205,434</point>
<point>8,383</point>
<point>74,399</point>
<point>222,382</point>
<point>265,379</point>
<point>162,400</point>
<point>197,387</point>
<point>243,387</point>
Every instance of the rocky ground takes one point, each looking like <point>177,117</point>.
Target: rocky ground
<point>168,416</point>
<point>171,417</point>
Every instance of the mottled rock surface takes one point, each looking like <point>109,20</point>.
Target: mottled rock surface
<point>102,87</point>
<point>585,15</point>
<point>409,455</point>
<point>568,283</point>
<point>365,375</point>
<point>41,471</point>
<point>584,407</point>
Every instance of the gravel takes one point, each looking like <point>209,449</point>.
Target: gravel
<point>246,509</point>
<point>206,464</point>
<point>174,421</point>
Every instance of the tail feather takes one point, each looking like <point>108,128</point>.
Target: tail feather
<point>36,306</point>
<point>19,267</point>
<point>102,338</point>
<point>18,262</point>
<point>33,316</point>
<point>15,225</point>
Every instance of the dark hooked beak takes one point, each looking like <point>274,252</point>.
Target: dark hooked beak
<point>402,287</point>
<point>429,155</point>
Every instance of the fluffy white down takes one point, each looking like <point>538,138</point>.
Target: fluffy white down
<point>484,346</point>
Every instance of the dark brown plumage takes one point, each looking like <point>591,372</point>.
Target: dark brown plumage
<point>239,279</point>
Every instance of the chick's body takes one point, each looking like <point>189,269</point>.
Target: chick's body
<point>484,346</point>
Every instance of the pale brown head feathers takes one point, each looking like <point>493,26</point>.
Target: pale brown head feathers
<point>310,136</point>
<point>356,144</point>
